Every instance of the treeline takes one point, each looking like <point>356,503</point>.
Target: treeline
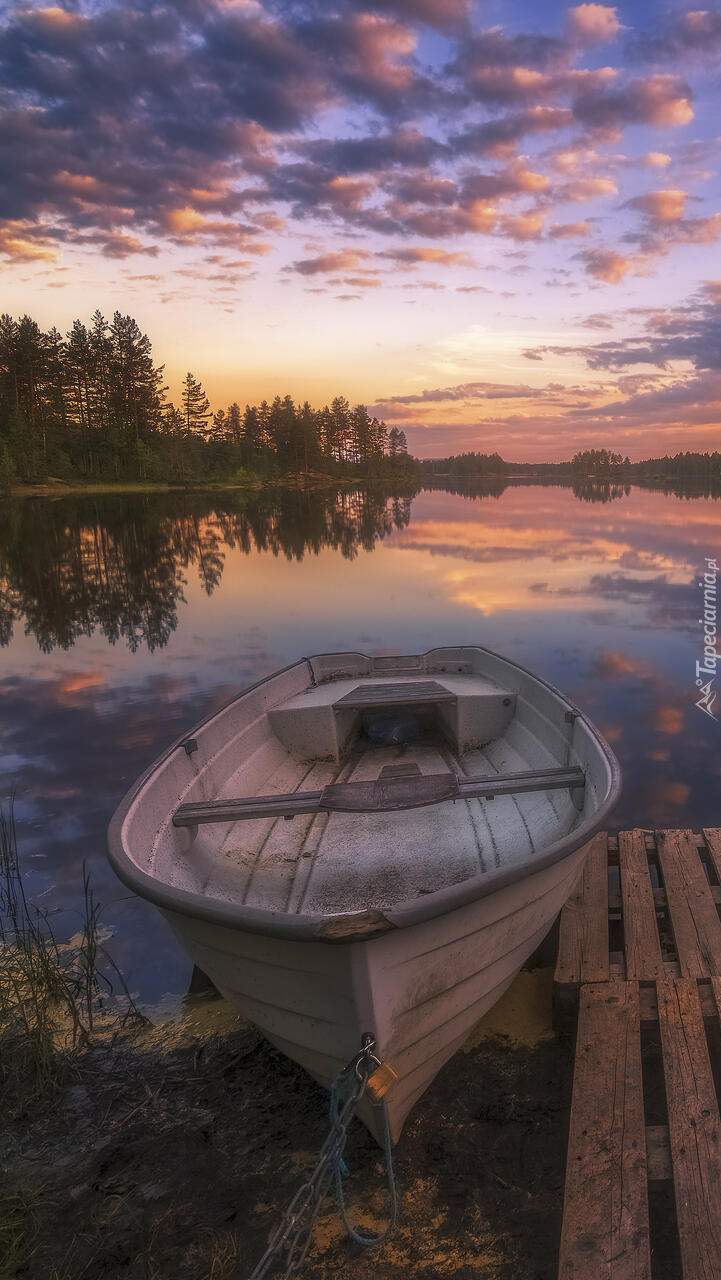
<point>599,462</point>
<point>92,404</point>
<point>466,464</point>
<point>603,464</point>
<point>692,466</point>
<point>594,464</point>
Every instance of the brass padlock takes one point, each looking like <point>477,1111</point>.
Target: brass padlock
<point>383,1079</point>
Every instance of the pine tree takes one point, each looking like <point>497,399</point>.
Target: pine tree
<point>252,434</point>
<point>196,405</point>
<point>136,385</point>
<point>234,422</point>
<point>309,437</point>
<point>218,433</point>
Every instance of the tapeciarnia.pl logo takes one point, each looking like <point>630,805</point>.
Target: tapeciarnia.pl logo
<point>706,670</point>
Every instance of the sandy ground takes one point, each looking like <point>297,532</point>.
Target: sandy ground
<point>171,1153</point>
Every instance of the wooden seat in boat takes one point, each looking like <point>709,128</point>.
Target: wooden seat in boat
<point>381,795</point>
<point>395,695</point>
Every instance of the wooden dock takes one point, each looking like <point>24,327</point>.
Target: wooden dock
<point>639,968</point>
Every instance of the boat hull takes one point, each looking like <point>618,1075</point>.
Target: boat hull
<point>405,922</point>
<point>419,990</point>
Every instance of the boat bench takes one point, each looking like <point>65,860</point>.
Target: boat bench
<point>322,729</point>
<point>385,794</point>
<point>395,695</point>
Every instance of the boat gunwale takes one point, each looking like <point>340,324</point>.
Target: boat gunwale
<point>354,926</point>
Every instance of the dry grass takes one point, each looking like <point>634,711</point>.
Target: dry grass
<point>49,995</point>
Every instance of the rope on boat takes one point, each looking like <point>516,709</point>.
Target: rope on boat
<point>290,1242</point>
<point>372,1241</point>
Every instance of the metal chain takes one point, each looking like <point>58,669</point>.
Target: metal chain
<point>293,1235</point>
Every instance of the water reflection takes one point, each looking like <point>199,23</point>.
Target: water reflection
<point>118,564</point>
<point>126,619</point>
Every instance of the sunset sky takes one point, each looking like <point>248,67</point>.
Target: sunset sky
<point>497,224</point>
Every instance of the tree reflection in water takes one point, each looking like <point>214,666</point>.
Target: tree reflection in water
<point>117,563</point>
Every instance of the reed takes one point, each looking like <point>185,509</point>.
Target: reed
<point>50,996</point>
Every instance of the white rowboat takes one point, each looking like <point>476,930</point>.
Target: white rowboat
<point>373,845</point>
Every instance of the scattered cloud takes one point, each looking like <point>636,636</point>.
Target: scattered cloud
<point>656,160</point>
<point>566,230</point>
<point>689,332</point>
<point>606,264</point>
<point>593,23</point>
<point>343,260</point>
<point>440,257</point>
<point>666,206</point>
<point>396,145</point>
<point>107,151</point>
<point>661,100</point>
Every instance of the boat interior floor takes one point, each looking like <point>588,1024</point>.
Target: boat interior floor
<point>341,862</point>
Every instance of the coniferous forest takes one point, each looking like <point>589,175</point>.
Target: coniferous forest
<point>92,405</point>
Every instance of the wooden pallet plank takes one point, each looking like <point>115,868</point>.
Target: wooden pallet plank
<point>712,837</point>
<point>694,1128</point>
<point>710,1006</point>
<point>642,943</point>
<point>694,918</point>
<point>605,1234</point>
<point>583,939</point>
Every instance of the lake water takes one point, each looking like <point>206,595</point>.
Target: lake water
<point>125,619</point>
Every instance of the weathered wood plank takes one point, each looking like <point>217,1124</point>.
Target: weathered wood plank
<point>583,940</point>
<point>694,1128</point>
<point>642,943</point>
<point>710,1007</point>
<point>384,794</point>
<point>615,901</point>
<point>712,836</point>
<point>694,918</point>
<point>395,695</point>
<point>605,1234</point>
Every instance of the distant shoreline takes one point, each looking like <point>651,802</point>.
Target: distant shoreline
<point>306,483</point>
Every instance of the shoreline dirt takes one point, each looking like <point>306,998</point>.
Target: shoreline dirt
<point>172,1151</point>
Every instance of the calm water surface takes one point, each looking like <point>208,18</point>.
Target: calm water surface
<point>124,619</point>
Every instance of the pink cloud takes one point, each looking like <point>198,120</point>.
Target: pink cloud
<point>24,241</point>
<point>522,226</point>
<point>342,260</point>
<point>568,229</point>
<point>606,264</point>
<point>665,206</point>
<point>441,257</point>
<point>498,83</point>
<point>661,100</point>
<point>581,190</point>
<point>593,23</point>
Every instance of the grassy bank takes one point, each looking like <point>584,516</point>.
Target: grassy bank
<point>252,483</point>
